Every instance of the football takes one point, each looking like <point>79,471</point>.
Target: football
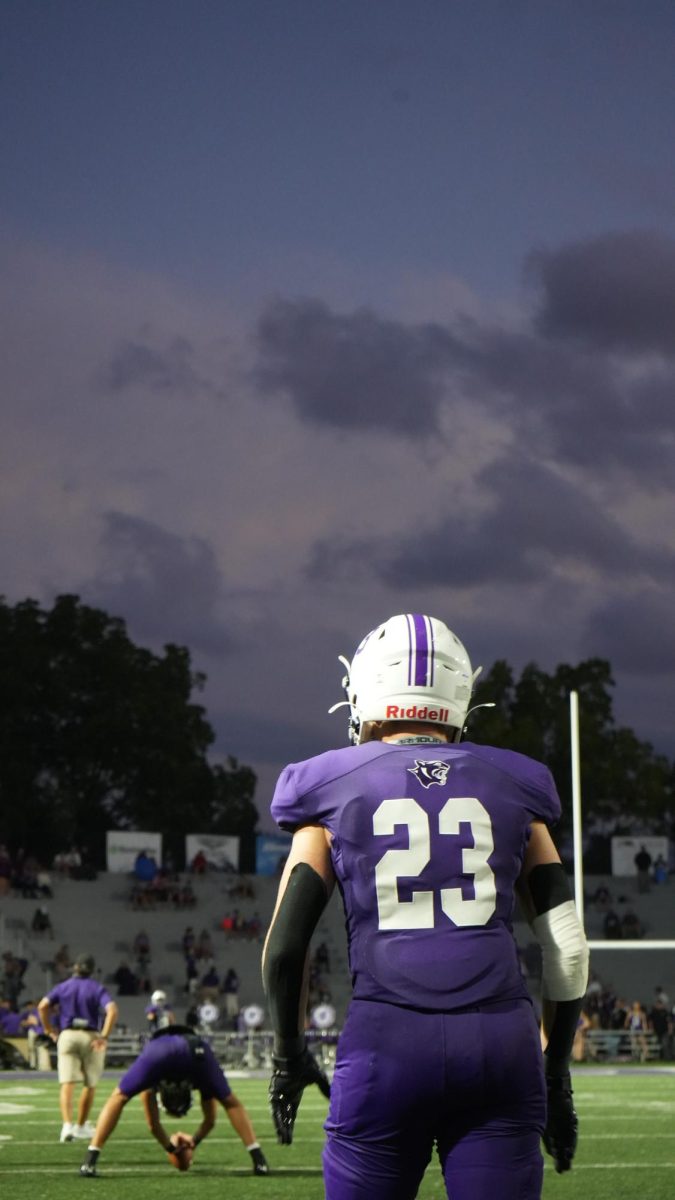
<point>181,1158</point>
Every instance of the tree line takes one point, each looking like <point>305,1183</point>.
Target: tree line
<point>98,733</point>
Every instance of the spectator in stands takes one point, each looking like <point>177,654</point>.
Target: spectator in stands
<point>26,878</point>
<point>253,928</point>
<point>188,941</point>
<point>631,925</point>
<point>199,865</point>
<point>62,962</point>
<point>322,957</point>
<point>187,896</point>
<point>68,862</point>
<point>141,949</point>
<point>11,984</point>
<point>637,1024</point>
<point>6,869</point>
<point>145,866</point>
<point>127,983</point>
<point>210,983</point>
<point>42,922</point>
<point>643,862</point>
<point>660,871</point>
<point>660,994</point>
<point>81,1042</point>
<point>44,883</point>
<point>602,898</point>
<point>231,994</point>
<point>661,1025</point>
<point>191,974</point>
<point>579,1046</point>
<point>612,926</point>
<point>204,945</point>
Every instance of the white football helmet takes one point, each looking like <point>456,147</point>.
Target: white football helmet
<point>158,997</point>
<point>411,668</point>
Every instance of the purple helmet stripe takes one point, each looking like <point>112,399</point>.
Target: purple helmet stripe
<point>431,651</point>
<point>411,651</point>
<point>421,650</point>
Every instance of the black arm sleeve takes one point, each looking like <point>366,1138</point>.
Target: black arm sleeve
<point>301,906</point>
<point>549,886</point>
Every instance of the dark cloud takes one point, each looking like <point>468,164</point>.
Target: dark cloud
<point>564,398</point>
<point>165,585</point>
<point>536,524</point>
<point>172,369</point>
<point>355,370</point>
<point>636,630</point>
<point>615,292</point>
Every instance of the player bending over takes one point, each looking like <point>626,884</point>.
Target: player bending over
<point>173,1062</point>
<point>429,839</point>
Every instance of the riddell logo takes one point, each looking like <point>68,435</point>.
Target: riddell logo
<point>395,712</point>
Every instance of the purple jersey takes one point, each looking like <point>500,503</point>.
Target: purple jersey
<point>172,1057</point>
<point>427,844</point>
<point>81,1002</point>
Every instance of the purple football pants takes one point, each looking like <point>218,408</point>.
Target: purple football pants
<point>471,1082</point>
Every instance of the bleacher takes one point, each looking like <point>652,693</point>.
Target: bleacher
<point>97,915</point>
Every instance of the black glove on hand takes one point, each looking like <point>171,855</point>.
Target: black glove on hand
<point>289,1079</point>
<point>560,1135</point>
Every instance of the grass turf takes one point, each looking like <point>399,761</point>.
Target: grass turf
<point>626,1147</point>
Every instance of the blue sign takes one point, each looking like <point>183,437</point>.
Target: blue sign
<point>271,852</point>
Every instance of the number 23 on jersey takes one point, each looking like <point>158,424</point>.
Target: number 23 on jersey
<point>418,912</point>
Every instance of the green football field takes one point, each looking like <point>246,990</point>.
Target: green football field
<point>626,1150</point>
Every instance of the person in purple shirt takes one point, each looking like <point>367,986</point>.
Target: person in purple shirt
<point>172,1062</point>
<point>428,839</point>
<point>86,1016</point>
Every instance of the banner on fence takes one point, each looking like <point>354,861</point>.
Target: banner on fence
<point>624,850</point>
<point>221,852</point>
<point>124,845</point>
<point>271,852</point>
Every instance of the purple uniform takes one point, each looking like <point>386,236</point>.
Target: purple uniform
<point>81,1002</point>
<point>172,1057</point>
<point>440,1041</point>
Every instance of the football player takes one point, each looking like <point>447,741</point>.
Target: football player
<point>173,1062</point>
<point>429,839</point>
<point>158,1012</point>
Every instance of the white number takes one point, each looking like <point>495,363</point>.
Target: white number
<point>418,912</point>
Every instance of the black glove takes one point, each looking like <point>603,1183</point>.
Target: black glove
<point>289,1079</point>
<point>560,1134</point>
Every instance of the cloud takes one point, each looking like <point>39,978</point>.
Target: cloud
<point>636,631</point>
<point>356,370</point>
<point>614,292</point>
<point>536,523</point>
<point>563,397</point>
<point>135,363</point>
<point>168,587</point>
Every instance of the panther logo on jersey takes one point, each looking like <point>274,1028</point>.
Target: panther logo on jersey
<point>429,771</point>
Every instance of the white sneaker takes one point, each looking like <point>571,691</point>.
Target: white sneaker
<point>84,1131</point>
<point>67,1132</point>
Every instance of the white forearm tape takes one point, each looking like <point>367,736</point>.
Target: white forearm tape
<point>564,952</point>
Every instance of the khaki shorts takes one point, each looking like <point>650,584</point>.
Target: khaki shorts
<point>76,1057</point>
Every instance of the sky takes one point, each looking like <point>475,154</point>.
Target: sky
<point>322,311</point>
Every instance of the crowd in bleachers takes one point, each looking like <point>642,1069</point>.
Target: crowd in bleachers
<point>631,1022</point>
